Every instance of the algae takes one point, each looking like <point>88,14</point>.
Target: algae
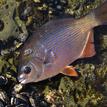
<point>11,21</point>
<point>88,90</point>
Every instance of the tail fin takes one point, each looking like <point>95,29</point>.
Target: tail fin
<point>101,13</point>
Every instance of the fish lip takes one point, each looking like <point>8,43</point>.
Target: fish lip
<point>22,80</point>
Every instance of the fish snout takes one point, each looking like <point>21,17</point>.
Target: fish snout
<point>24,71</point>
<point>22,78</point>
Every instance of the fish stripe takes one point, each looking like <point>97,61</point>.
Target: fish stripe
<point>56,34</point>
<point>59,35</point>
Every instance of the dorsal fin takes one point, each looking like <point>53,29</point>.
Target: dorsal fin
<point>89,49</point>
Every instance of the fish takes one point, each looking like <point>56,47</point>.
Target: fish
<point>57,44</point>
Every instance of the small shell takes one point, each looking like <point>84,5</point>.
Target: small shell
<point>37,100</point>
<point>3,98</point>
<point>3,80</point>
<point>24,11</point>
<point>20,100</point>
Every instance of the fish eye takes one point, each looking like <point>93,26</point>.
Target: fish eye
<point>27,70</point>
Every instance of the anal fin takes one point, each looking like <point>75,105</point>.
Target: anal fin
<point>70,71</point>
<point>89,49</point>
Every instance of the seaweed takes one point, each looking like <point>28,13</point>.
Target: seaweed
<point>20,18</point>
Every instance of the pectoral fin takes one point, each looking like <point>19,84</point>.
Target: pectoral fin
<point>70,71</point>
<point>89,49</point>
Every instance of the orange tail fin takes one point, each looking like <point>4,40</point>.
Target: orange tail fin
<point>89,49</point>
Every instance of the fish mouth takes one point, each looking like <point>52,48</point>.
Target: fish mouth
<point>21,79</point>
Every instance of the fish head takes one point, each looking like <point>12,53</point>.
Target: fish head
<point>35,62</point>
<point>30,67</point>
<point>31,71</point>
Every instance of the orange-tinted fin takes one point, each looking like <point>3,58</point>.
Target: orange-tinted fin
<point>70,71</point>
<point>89,49</point>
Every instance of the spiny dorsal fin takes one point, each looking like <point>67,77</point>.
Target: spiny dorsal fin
<point>89,49</point>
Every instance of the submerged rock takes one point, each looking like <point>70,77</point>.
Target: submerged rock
<point>4,99</point>
<point>8,25</point>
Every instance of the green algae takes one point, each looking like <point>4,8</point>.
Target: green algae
<point>7,66</point>
<point>89,90</point>
<point>78,8</point>
<point>11,25</point>
<point>6,17</point>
